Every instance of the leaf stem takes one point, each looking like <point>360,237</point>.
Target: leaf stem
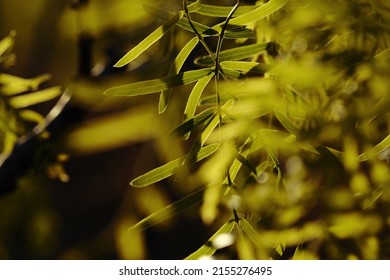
<point>200,37</point>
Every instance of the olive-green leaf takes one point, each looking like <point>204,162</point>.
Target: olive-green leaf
<point>261,12</point>
<point>233,54</point>
<point>231,33</point>
<point>148,41</point>
<point>207,249</point>
<point>175,69</point>
<point>223,11</point>
<point>194,6</point>
<point>169,211</point>
<point>35,97</point>
<point>194,122</point>
<point>251,233</point>
<point>151,86</point>
<point>247,66</point>
<point>170,168</point>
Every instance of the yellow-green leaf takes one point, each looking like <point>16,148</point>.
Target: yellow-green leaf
<point>194,122</point>
<point>175,69</point>
<point>170,168</point>
<point>35,97</point>
<point>223,11</point>
<point>151,86</point>
<point>7,43</point>
<point>169,211</point>
<point>194,97</point>
<point>207,249</point>
<point>148,41</point>
<point>261,12</point>
<point>233,54</point>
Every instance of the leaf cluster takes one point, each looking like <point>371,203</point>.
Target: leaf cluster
<point>292,138</point>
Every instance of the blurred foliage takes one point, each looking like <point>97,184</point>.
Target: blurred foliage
<point>299,113</point>
<point>268,137</point>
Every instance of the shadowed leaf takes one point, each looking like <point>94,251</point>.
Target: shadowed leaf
<point>194,122</point>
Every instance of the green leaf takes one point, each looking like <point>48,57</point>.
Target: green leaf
<point>150,40</point>
<point>194,97</point>
<point>377,150</point>
<point>194,6</point>
<point>8,146</point>
<point>207,249</point>
<point>233,54</point>
<point>175,69</point>
<point>287,123</point>
<point>237,163</point>
<point>169,211</point>
<point>31,116</point>
<point>223,11</point>
<point>194,122</point>
<point>35,97</point>
<point>251,233</point>
<point>7,43</point>
<point>261,12</point>
<point>247,66</point>
<point>12,85</point>
<point>208,129</point>
<point>170,168</point>
<point>232,74</point>
<point>151,86</point>
<point>206,31</point>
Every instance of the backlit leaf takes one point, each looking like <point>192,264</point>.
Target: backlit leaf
<point>35,97</point>
<point>148,41</point>
<point>169,211</point>
<point>194,6</point>
<point>223,11</point>
<point>234,54</point>
<point>207,249</point>
<point>261,12</point>
<point>194,122</point>
<point>151,86</point>
<point>175,69</point>
<point>170,168</point>
<point>7,43</point>
<point>376,150</point>
<point>194,97</point>
<point>12,85</point>
<point>206,31</point>
<point>246,66</point>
